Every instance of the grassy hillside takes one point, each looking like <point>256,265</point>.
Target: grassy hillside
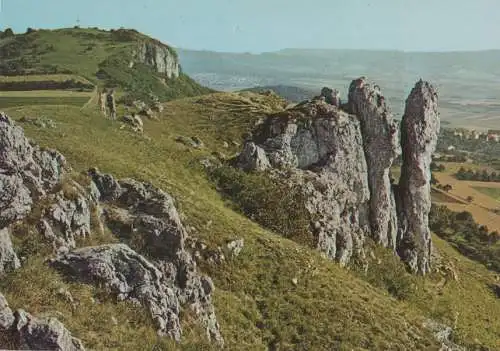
<point>258,305</point>
<point>87,52</point>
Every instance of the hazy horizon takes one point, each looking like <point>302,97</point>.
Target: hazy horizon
<point>259,26</point>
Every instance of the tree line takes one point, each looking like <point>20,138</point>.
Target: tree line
<point>477,175</point>
<point>470,238</point>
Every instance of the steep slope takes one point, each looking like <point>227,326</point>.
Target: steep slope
<point>267,296</point>
<point>119,58</point>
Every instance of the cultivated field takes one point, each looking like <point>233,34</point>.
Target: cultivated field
<point>485,196</point>
<point>44,78</point>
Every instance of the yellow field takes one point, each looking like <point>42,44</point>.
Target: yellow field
<point>482,205</point>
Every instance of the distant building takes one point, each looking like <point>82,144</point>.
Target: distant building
<point>451,148</point>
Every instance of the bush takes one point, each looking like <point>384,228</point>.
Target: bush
<point>267,201</point>
<point>8,33</point>
<point>386,271</point>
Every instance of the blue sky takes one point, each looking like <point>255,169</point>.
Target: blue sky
<point>269,25</point>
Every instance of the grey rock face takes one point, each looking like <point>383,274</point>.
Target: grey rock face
<point>130,277</point>
<point>134,207</point>
<point>236,246</point>
<point>8,258</point>
<point>135,122</point>
<point>26,172</point>
<point>253,157</point>
<point>159,56</point>
<point>381,146</point>
<point>7,318</point>
<point>318,136</point>
<point>26,332</point>
<point>444,335</point>
<point>419,133</point>
<point>66,219</point>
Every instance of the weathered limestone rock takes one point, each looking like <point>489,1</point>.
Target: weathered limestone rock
<point>135,122</point>
<point>444,335</point>
<point>159,56</point>
<point>129,276</point>
<point>26,172</point>
<point>253,157</point>
<point>381,146</point>
<point>8,257</point>
<point>419,132</point>
<point>331,96</point>
<point>134,208</point>
<point>67,219</point>
<point>235,247</point>
<point>25,332</point>
<point>317,136</point>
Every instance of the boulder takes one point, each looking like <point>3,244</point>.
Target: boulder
<point>419,133</point>
<point>135,122</point>
<point>8,257</point>
<point>129,276</point>
<point>135,208</point>
<point>22,331</point>
<point>235,247</point>
<point>381,147</point>
<point>253,157</point>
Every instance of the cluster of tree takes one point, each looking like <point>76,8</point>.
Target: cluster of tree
<point>7,33</point>
<point>435,167</point>
<point>446,187</point>
<point>477,175</point>
<point>470,238</point>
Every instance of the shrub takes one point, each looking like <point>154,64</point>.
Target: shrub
<point>267,201</point>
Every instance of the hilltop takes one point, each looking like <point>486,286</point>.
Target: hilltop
<point>290,93</point>
<point>123,59</point>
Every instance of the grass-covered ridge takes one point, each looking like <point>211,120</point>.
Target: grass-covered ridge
<point>258,305</point>
<point>100,57</point>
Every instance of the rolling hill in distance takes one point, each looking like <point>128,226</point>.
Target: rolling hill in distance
<point>468,82</point>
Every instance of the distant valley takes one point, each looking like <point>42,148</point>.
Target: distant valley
<point>468,82</point>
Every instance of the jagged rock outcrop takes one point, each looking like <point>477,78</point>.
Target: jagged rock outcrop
<point>341,163</point>
<point>322,147</point>
<point>8,257</point>
<point>160,57</point>
<point>381,146</point>
<point>331,96</point>
<point>26,172</point>
<point>21,331</point>
<point>135,122</point>
<point>129,276</point>
<point>419,133</point>
<point>132,207</point>
<point>68,210</point>
<point>444,335</point>
<point>66,219</point>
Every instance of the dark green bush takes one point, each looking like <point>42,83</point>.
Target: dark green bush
<point>267,201</point>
